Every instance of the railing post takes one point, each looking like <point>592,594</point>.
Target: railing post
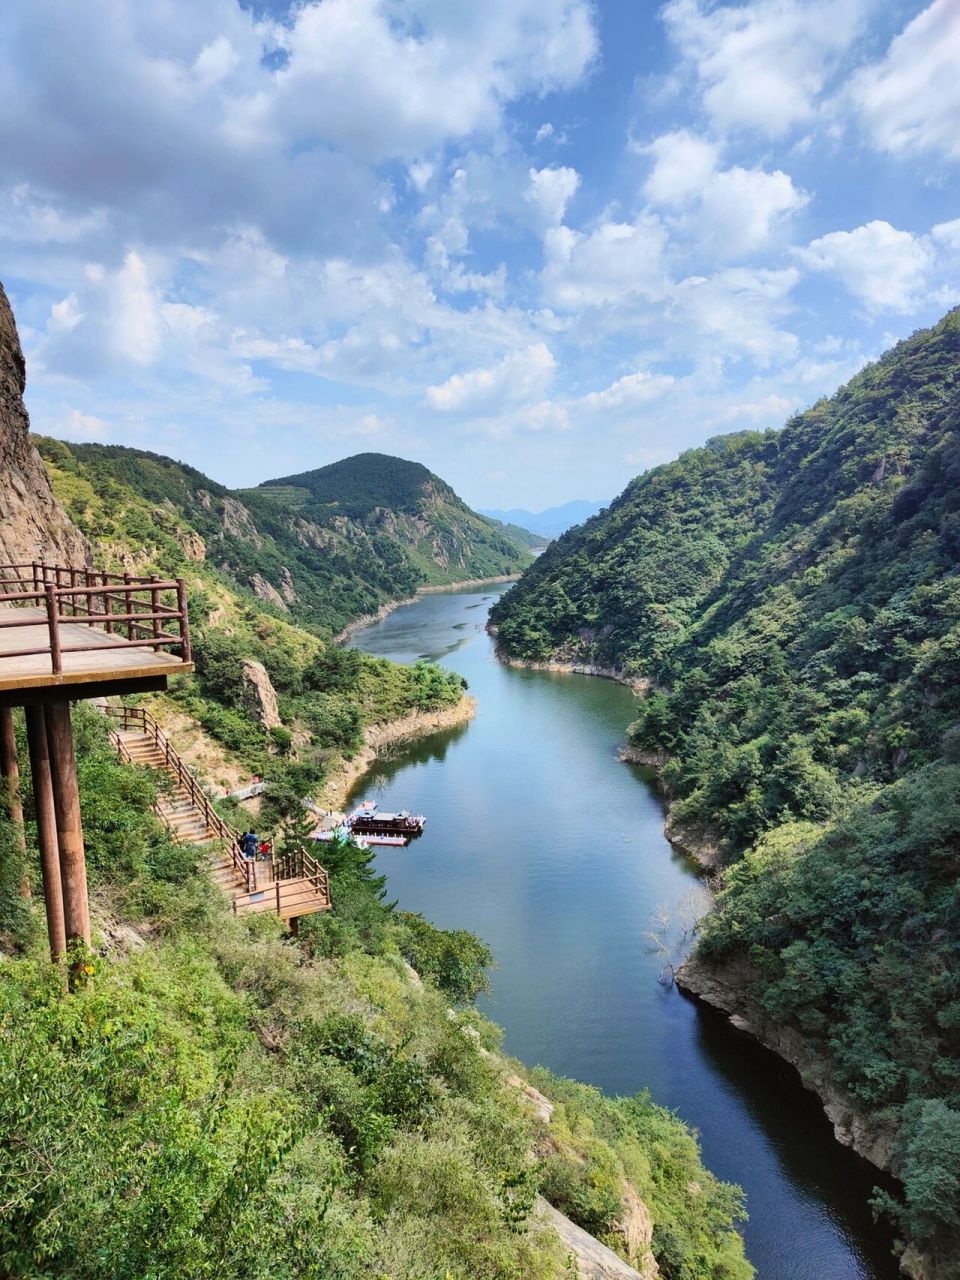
<point>107,602</point>
<point>128,607</point>
<point>186,652</point>
<point>53,625</point>
<point>155,608</point>
<point>36,575</point>
<point>276,885</point>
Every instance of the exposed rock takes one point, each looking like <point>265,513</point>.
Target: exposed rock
<point>594,1260</point>
<point>194,547</point>
<point>287,589</point>
<point>33,525</point>
<point>636,1226</point>
<point>259,695</point>
<point>726,987</point>
<point>268,592</point>
<point>238,522</point>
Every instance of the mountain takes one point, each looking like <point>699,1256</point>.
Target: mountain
<point>793,600</point>
<point>551,522</point>
<point>324,547</point>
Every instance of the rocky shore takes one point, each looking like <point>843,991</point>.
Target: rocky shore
<point>378,736</point>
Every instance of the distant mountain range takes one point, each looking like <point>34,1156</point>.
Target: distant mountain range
<point>550,523</point>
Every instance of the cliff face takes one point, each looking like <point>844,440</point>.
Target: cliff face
<point>33,525</point>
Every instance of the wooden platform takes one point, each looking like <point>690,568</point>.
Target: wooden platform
<point>105,664</point>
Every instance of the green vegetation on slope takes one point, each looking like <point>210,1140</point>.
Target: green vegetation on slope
<point>223,1100</point>
<point>326,695</point>
<point>794,599</point>
<point>323,548</point>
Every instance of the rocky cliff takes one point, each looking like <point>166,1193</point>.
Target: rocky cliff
<point>33,525</point>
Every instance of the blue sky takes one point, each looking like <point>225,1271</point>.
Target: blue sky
<point>538,245</point>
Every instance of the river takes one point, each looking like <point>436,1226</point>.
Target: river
<point>540,840</point>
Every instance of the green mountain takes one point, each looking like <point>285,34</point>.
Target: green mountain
<point>325,547</point>
<point>793,598</point>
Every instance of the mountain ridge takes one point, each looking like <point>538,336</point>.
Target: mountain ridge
<point>324,558</point>
<point>792,600</point>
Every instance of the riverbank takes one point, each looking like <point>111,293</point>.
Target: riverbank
<point>726,987</point>
<point>391,606</point>
<point>376,737</point>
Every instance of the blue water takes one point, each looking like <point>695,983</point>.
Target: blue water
<point>551,849</point>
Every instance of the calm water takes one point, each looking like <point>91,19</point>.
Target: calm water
<point>542,842</point>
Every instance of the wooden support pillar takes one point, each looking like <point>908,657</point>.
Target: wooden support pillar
<point>10,770</point>
<point>66,800</point>
<point>46,830</point>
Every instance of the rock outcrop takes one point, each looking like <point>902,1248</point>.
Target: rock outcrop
<point>726,987</point>
<point>259,695</point>
<point>33,525</point>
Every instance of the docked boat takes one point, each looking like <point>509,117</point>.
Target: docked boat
<point>372,823</point>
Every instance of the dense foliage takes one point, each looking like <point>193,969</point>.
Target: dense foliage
<point>326,695</point>
<point>793,600</point>
<point>222,1100</point>
<point>372,529</point>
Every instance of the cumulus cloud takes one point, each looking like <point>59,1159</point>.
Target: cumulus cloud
<point>634,389</point>
<point>611,263</point>
<point>909,101</point>
<point>735,313</point>
<point>518,377</point>
<point>884,268</point>
<point>550,190</point>
<point>682,163</point>
<point>762,65</point>
<point>741,208</point>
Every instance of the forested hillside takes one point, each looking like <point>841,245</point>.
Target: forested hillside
<point>324,548</point>
<point>793,598</point>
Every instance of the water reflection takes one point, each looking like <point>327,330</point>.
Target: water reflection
<point>543,843</point>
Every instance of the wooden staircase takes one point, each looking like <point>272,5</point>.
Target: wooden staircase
<point>292,885</point>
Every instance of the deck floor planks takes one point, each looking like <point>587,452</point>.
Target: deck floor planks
<point>102,663</point>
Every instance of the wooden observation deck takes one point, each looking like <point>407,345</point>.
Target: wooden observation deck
<point>68,633</point>
<point>75,633</point>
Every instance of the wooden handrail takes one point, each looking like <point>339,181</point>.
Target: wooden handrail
<point>62,590</point>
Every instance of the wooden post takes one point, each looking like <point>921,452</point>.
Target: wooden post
<point>53,625</point>
<point>128,607</point>
<point>46,830</point>
<point>294,924</point>
<point>66,800</point>
<point>10,769</point>
<point>155,609</point>
<point>107,602</point>
<point>185,652</point>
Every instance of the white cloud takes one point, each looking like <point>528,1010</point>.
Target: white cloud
<point>683,162</point>
<point>420,174</point>
<point>763,64</point>
<point>741,208</point>
<point>909,101</point>
<point>735,313</point>
<point>551,190</point>
<point>613,262</point>
<point>82,426</point>
<point>544,132</point>
<point>516,378</point>
<point>885,268</point>
<point>634,389</point>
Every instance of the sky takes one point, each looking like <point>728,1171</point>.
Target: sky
<point>538,245</point>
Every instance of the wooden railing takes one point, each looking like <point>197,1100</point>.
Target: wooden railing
<point>140,720</point>
<point>133,611</point>
<point>302,865</point>
<point>298,865</point>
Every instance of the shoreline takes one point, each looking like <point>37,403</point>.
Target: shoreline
<point>417,724</point>
<point>708,985</point>
<point>700,845</point>
<point>391,606</point>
